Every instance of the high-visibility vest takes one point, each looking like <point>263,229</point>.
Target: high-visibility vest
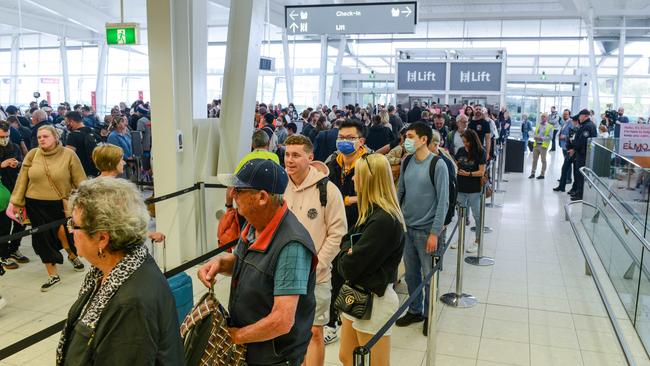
<point>547,132</point>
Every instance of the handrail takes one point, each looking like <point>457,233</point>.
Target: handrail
<point>586,171</point>
<point>610,312</point>
<point>595,142</point>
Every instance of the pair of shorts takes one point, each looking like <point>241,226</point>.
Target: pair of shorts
<point>383,308</point>
<point>323,294</point>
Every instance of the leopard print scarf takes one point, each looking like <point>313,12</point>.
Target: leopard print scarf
<point>92,310</point>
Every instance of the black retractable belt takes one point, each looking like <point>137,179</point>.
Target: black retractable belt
<point>22,234</point>
<point>172,195</point>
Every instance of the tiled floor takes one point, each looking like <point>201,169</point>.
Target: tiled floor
<point>536,306</point>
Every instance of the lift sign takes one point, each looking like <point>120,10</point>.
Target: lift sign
<point>122,34</point>
<point>634,140</point>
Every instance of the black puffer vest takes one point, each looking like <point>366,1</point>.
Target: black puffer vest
<point>251,294</point>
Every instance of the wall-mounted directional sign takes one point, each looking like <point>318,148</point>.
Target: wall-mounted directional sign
<point>425,75</point>
<point>364,18</point>
<point>479,76</point>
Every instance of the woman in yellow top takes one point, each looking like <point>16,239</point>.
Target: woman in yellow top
<point>48,174</point>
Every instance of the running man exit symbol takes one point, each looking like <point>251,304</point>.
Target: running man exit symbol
<point>121,36</point>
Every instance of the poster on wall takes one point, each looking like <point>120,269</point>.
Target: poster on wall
<point>634,140</point>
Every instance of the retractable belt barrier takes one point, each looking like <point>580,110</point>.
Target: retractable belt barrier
<point>57,327</point>
<point>54,224</point>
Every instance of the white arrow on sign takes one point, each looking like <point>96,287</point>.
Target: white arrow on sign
<point>293,15</point>
<point>407,12</point>
<point>293,27</point>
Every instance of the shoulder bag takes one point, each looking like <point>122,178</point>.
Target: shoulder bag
<point>355,301</point>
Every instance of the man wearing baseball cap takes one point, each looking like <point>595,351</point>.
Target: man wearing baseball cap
<point>273,266</point>
<point>578,150</point>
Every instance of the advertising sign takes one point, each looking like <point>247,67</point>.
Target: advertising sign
<point>634,140</point>
<point>424,76</point>
<point>365,18</point>
<point>475,76</point>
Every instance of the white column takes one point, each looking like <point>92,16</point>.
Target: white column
<point>335,97</point>
<point>618,102</point>
<point>170,77</point>
<point>288,71</point>
<point>322,81</point>
<point>245,29</point>
<point>592,64</point>
<point>15,60</point>
<point>64,69</point>
<point>100,86</point>
<point>199,43</point>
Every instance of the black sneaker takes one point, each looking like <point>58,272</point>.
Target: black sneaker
<point>576,198</point>
<point>51,282</point>
<point>76,264</point>
<point>409,319</point>
<point>19,257</point>
<point>540,177</point>
<point>558,189</point>
<point>531,176</point>
<point>571,192</point>
<point>9,263</point>
<point>425,327</point>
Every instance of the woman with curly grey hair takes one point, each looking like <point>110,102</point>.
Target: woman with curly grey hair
<point>114,319</point>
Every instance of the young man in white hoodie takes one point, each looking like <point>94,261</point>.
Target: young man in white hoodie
<point>323,215</point>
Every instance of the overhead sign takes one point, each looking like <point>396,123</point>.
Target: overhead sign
<point>634,139</point>
<point>366,18</point>
<point>122,33</point>
<point>421,75</point>
<point>475,76</point>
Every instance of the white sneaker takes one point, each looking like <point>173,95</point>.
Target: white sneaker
<point>330,334</point>
<point>453,245</point>
<point>472,248</point>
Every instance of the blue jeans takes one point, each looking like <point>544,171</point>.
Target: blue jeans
<point>471,201</point>
<point>418,264</point>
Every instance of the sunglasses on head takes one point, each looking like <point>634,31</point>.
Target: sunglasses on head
<point>365,158</point>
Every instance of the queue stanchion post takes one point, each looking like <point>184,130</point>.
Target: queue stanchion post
<point>458,299</point>
<point>502,167</point>
<point>493,174</point>
<point>480,259</point>
<point>432,323</point>
<point>361,356</point>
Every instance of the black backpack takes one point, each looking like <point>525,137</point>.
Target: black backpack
<point>322,190</point>
<point>453,184</point>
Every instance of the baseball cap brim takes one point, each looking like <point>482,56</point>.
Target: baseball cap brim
<point>231,180</point>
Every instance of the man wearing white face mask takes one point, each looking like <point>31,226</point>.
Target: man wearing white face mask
<point>10,158</point>
<point>424,200</point>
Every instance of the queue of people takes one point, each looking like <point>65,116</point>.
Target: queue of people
<point>320,241</point>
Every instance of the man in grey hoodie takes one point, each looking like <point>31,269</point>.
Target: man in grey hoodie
<point>424,205</point>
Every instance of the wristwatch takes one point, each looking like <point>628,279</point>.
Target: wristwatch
<point>228,205</point>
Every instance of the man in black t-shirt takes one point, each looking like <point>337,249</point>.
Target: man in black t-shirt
<point>482,129</point>
<point>81,139</point>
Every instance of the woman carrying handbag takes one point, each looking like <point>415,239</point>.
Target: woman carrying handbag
<point>368,261</point>
<point>48,174</point>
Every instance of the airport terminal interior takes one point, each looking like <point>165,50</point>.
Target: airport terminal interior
<point>150,147</point>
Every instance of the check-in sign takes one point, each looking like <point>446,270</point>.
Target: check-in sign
<point>475,76</point>
<point>421,75</point>
<point>366,18</point>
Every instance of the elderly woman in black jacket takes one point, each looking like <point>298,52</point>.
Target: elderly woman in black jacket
<point>125,313</point>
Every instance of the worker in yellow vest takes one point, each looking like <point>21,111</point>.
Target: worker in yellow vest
<point>543,136</point>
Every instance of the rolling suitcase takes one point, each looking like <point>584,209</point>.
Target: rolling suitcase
<point>181,286</point>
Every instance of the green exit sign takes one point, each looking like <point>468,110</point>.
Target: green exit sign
<point>122,33</point>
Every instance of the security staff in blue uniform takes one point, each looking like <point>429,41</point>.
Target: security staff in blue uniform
<point>578,149</point>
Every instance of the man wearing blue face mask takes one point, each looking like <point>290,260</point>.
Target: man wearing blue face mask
<point>349,148</point>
